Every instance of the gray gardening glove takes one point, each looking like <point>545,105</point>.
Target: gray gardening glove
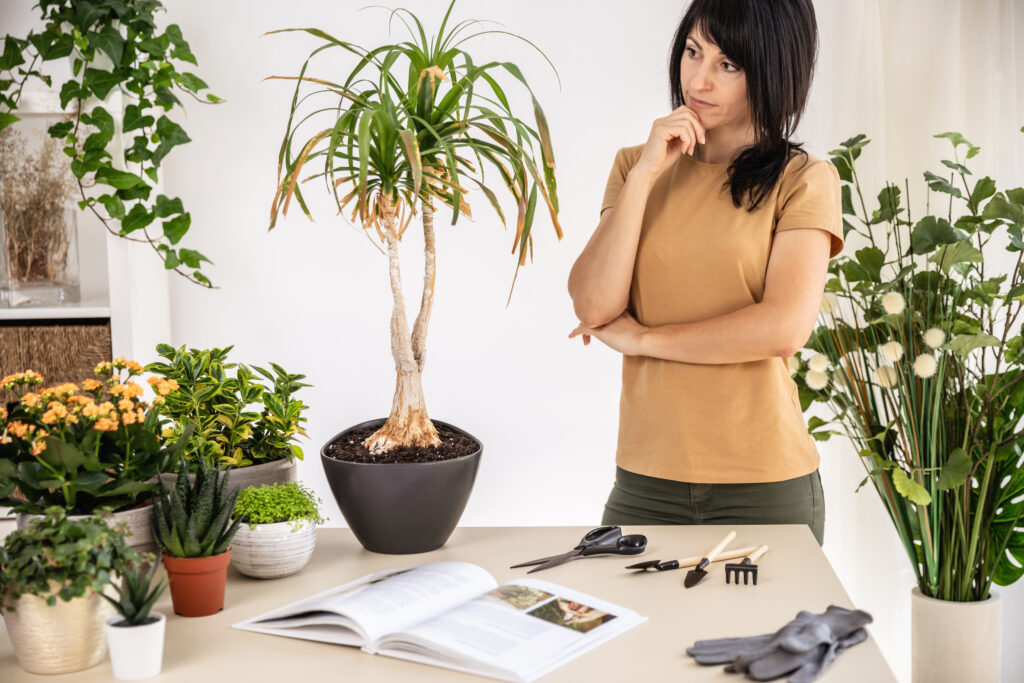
<point>802,667</point>
<point>806,641</point>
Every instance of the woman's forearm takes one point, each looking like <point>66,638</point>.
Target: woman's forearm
<point>751,333</point>
<point>600,279</point>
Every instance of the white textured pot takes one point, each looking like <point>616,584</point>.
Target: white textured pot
<point>270,551</point>
<point>136,652</point>
<point>277,471</point>
<point>956,641</point>
<point>140,526</point>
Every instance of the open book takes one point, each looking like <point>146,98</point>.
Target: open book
<point>455,615</point>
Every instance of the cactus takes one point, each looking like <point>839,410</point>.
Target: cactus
<point>194,520</point>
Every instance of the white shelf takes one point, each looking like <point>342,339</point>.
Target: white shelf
<point>87,308</point>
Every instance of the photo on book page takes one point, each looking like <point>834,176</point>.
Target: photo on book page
<point>520,597</point>
<point>573,615</point>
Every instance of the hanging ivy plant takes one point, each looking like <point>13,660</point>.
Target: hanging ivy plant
<point>115,44</point>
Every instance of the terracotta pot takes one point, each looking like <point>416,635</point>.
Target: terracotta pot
<point>278,471</point>
<point>197,583</point>
<point>59,638</point>
<point>956,641</point>
<point>401,508</point>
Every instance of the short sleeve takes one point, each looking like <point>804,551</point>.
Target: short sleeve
<point>813,199</point>
<point>617,178</point>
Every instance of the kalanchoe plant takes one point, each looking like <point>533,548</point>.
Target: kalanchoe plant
<point>919,360</point>
<point>239,415</point>
<point>115,45</point>
<point>391,146</point>
<point>82,446</point>
<point>55,557</point>
<point>273,503</point>
<point>194,520</point>
<point>138,594</point>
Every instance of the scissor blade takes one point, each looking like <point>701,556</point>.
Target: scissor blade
<point>532,562</point>
<point>557,560</point>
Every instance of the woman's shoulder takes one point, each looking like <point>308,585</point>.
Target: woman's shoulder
<point>802,161</point>
<point>628,156</point>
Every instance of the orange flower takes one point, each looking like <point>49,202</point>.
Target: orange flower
<point>90,410</point>
<point>105,424</point>
<point>18,429</point>
<point>164,387</point>
<point>38,447</point>
<point>132,390</point>
<point>125,405</point>
<point>30,400</point>
<point>128,417</point>
<point>29,377</point>
<point>105,408</point>
<point>3,413</point>
<point>91,385</point>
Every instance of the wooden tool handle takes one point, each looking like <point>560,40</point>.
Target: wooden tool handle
<point>761,550</point>
<point>721,544</point>
<point>726,555</point>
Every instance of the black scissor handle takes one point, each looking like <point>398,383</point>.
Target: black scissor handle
<point>599,536</point>
<point>633,544</point>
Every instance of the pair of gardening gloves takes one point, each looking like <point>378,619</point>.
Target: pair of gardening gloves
<point>801,649</point>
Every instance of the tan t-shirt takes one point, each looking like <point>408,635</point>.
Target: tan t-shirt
<point>700,257</point>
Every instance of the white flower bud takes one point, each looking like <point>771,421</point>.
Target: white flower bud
<point>885,376</point>
<point>893,303</point>
<point>819,363</point>
<point>816,380</point>
<point>829,303</point>
<point>934,337</point>
<point>891,351</point>
<point>925,365</point>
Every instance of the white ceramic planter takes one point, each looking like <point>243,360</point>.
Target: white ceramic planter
<point>136,652</point>
<point>140,526</point>
<point>270,551</point>
<point>956,641</point>
<point>278,471</point>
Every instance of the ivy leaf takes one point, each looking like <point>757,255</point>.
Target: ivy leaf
<point>110,41</point>
<point>181,48</point>
<point>138,218</point>
<point>176,228</point>
<point>192,82</point>
<point>909,488</point>
<point>113,205</point>
<point>109,175</point>
<point>134,119</point>
<point>171,135</point>
<point>7,119</point>
<point>191,258</point>
<point>12,56</point>
<point>101,82</point>
<point>168,207</point>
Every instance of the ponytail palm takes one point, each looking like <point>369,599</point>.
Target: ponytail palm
<point>387,149</point>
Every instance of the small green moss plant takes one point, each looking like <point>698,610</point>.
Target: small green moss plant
<point>138,595</point>
<point>273,503</point>
<point>55,557</point>
<point>193,520</point>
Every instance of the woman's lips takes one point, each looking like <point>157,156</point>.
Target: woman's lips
<point>700,104</point>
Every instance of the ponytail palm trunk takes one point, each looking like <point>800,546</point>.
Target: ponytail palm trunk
<point>399,149</point>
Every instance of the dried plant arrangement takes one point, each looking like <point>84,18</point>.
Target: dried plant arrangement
<point>36,191</point>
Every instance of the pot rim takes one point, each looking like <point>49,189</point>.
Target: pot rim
<point>153,613</point>
<point>305,523</point>
<point>382,420</point>
<point>186,565</point>
<point>994,596</point>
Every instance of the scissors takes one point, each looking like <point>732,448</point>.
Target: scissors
<point>600,541</point>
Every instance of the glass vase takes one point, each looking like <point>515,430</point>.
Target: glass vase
<point>40,258</point>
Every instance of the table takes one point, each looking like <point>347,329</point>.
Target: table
<point>794,574</point>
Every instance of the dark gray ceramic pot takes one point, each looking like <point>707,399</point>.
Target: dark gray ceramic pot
<point>401,508</point>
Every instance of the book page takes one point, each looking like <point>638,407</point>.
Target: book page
<point>518,631</point>
<point>378,604</point>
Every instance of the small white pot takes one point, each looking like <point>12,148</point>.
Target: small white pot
<point>956,641</point>
<point>136,652</point>
<point>270,551</point>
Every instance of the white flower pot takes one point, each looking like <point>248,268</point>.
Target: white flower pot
<point>136,652</point>
<point>956,641</point>
<point>270,551</point>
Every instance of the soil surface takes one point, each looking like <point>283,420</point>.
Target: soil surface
<point>453,445</point>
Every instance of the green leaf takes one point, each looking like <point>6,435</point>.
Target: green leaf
<point>108,175</point>
<point>110,41</point>
<point>909,488</point>
<point>168,207</point>
<point>101,82</point>
<point>958,252</point>
<point>134,119</point>
<point>192,82</point>
<point>6,119</point>
<point>965,343</point>
<point>113,205</point>
<point>955,471</point>
<point>175,228</point>
<point>138,218</point>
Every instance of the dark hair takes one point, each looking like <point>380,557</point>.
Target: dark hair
<point>775,42</point>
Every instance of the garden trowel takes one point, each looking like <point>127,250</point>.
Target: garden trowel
<point>694,576</point>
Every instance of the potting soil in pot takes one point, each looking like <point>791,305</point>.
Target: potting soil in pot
<point>453,445</point>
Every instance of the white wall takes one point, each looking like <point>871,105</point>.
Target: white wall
<point>314,296</point>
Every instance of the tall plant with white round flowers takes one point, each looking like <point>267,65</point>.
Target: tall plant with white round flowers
<point>917,355</point>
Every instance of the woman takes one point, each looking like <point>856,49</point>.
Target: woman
<point>706,271</point>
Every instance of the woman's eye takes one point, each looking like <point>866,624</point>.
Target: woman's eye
<point>693,53</point>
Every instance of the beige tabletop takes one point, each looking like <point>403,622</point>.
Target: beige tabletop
<point>793,575</point>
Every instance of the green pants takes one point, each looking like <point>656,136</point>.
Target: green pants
<point>639,499</point>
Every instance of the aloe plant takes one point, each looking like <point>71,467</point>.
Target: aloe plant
<point>137,597</point>
<point>193,520</point>
<point>400,145</point>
